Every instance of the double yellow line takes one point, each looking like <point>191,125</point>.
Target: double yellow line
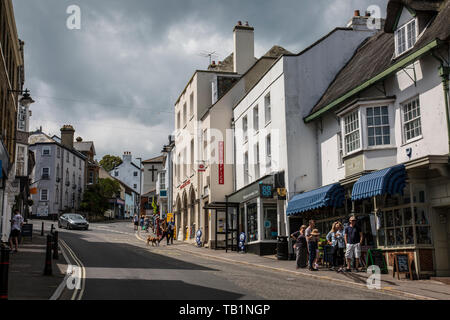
<point>82,268</point>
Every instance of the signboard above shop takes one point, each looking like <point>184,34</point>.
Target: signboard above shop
<point>252,191</point>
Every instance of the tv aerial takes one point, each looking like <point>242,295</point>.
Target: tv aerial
<point>208,54</point>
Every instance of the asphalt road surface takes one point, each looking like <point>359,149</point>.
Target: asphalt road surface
<point>118,266</point>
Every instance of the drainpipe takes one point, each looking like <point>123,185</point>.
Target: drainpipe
<point>444,72</point>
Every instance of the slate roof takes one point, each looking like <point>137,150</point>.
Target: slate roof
<point>158,159</point>
<point>84,146</point>
<point>375,55</point>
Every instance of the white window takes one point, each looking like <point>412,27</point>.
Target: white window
<point>257,173</point>
<point>256,118</point>
<point>246,168</point>
<point>116,173</point>
<point>269,151</point>
<point>184,114</point>
<point>191,104</point>
<point>46,151</point>
<point>20,163</point>
<point>178,120</point>
<point>412,127</point>
<point>45,173</point>
<point>192,157</point>
<point>162,181</point>
<point>378,131</point>
<point>340,149</point>
<point>91,177</point>
<point>22,119</point>
<point>405,37</point>
<point>57,171</point>
<point>44,195</point>
<point>268,108</point>
<point>57,194</point>
<point>351,131</point>
<point>245,127</point>
<point>74,161</point>
<point>58,152</point>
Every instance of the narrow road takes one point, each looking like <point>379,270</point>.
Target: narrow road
<point>119,266</point>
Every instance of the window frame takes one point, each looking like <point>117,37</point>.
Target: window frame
<point>404,28</point>
<point>267,109</point>
<point>356,111</point>
<point>404,123</point>
<point>41,193</point>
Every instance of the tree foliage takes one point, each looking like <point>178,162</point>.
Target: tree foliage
<point>95,197</point>
<point>109,162</point>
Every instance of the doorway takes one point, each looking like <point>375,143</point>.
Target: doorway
<point>441,236</point>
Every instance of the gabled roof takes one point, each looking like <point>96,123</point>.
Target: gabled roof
<point>42,138</point>
<point>158,159</point>
<point>373,61</point>
<point>84,146</point>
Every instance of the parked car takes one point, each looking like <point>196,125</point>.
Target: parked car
<point>73,221</point>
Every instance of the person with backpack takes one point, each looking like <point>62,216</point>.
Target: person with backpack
<point>171,228</point>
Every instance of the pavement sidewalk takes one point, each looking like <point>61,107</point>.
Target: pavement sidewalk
<point>417,289</point>
<point>26,270</point>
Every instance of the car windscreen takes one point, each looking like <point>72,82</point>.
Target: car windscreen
<point>75,217</point>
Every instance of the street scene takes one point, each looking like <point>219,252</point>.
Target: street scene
<point>263,152</point>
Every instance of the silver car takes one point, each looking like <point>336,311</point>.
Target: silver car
<point>73,221</point>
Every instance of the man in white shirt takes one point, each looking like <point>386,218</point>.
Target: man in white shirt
<point>16,228</point>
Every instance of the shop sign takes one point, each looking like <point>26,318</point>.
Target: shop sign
<point>163,193</point>
<point>267,224</point>
<point>266,191</point>
<point>184,185</point>
<point>221,163</point>
<point>251,191</point>
<point>42,211</point>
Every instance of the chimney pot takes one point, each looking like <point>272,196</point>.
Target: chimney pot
<point>367,13</point>
<point>357,13</point>
<point>239,23</point>
<point>246,24</point>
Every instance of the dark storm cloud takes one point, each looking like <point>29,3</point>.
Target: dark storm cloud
<point>118,77</point>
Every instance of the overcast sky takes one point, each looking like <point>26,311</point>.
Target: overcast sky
<point>116,80</point>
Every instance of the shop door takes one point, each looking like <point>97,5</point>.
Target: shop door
<point>441,235</point>
<point>233,228</point>
<point>206,224</point>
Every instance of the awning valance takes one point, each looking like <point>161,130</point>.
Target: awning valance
<point>387,181</point>
<point>328,196</point>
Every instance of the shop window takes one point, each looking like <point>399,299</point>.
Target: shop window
<point>270,224</point>
<point>397,227</point>
<point>252,222</point>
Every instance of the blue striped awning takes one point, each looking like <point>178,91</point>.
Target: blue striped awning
<point>328,196</point>
<point>387,181</point>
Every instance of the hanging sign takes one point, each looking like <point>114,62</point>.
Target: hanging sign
<point>221,163</point>
<point>266,191</point>
<point>241,244</point>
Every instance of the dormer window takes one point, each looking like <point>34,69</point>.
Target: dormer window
<point>405,37</point>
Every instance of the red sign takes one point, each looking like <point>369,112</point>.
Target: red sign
<point>185,184</point>
<point>221,163</point>
<point>201,168</point>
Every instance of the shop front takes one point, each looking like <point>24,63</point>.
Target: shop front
<point>403,209</point>
<point>260,215</point>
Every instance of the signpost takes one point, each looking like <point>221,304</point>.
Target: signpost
<point>376,257</point>
<point>402,264</point>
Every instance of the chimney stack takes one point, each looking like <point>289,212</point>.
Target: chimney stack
<point>127,156</point>
<point>362,23</point>
<point>67,134</point>
<point>244,47</point>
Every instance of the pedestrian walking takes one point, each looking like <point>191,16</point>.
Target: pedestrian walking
<point>312,248</point>
<point>16,228</point>
<point>171,230</point>
<point>353,241</point>
<point>308,231</point>
<point>141,222</point>
<point>147,224</point>
<point>165,231</point>
<point>301,247</point>
<point>136,222</point>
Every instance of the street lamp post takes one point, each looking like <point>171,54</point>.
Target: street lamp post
<point>140,185</point>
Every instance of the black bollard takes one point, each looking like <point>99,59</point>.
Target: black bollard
<point>42,229</point>
<point>48,257</point>
<point>4,269</point>
<point>51,230</point>
<point>55,245</point>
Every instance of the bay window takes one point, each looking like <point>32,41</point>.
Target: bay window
<point>378,131</point>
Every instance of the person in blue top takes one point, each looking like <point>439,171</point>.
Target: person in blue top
<point>136,221</point>
<point>336,240</point>
<point>353,242</point>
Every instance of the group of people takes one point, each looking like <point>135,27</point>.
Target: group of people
<point>160,227</point>
<point>345,244</point>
